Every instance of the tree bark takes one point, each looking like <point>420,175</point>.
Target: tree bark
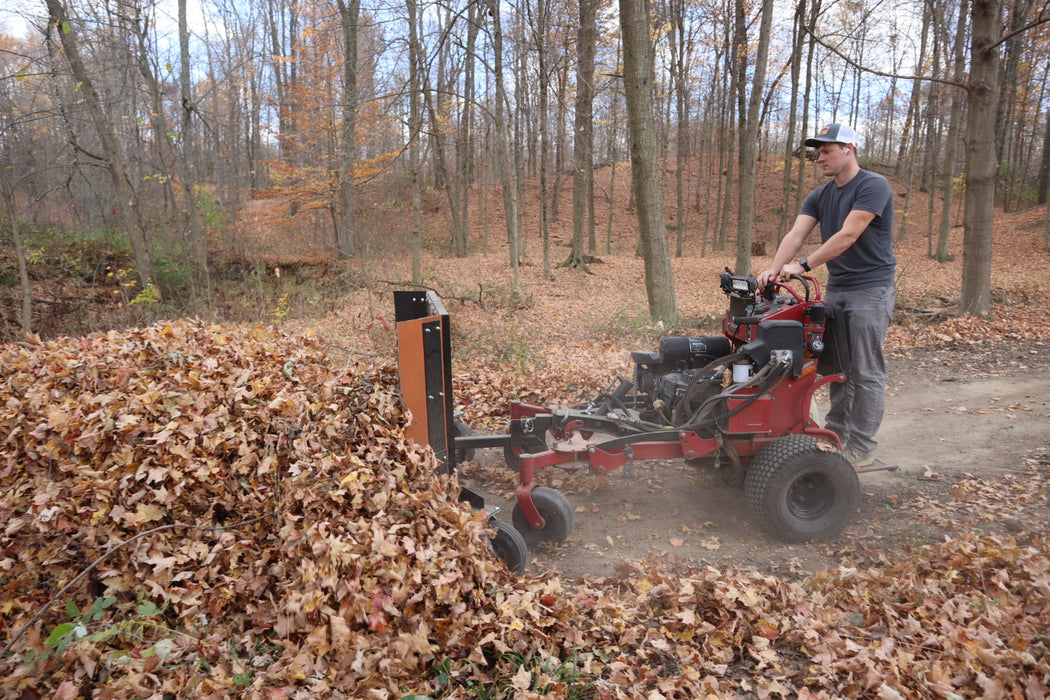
<point>981,161</point>
<point>415,122</point>
<point>678,65</point>
<point>1044,165</point>
<point>799,44</point>
<point>502,136</point>
<point>7,192</point>
<point>583,143</point>
<point>187,161</point>
<point>349,11</point>
<point>638,85</point>
<point>283,71</point>
<point>748,143</point>
<point>542,21</point>
<point>464,135</point>
<point>955,124</point>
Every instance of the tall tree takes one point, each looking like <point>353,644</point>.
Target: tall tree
<point>649,204</point>
<point>187,155</point>
<point>508,174</point>
<point>583,142</point>
<point>128,203</point>
<point>349,12</point>
<point>415,123</point>
<point>282,21</point>
<point>981,161</point>
<point>464,139</point>
<point>955,124</point>
<point>748,134</point>
<point>678,65</point>
<point>8,135</point>
<point>540,24</point>
<point>798,46</point>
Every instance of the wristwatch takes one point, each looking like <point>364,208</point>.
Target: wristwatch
<point>804,262</point>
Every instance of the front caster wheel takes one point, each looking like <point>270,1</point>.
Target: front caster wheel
<point>557,514</point>
<point>802,488</point>
<point>509,546</point>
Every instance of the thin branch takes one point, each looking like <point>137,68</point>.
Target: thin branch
<point>1042,18</point>
<point>865,69</point>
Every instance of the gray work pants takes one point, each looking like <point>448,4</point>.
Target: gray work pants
<point>857,404</point>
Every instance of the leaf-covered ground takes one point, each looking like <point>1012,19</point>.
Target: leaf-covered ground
<point>246,519</point>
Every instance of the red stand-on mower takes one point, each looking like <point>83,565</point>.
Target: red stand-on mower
<point>741,402</point>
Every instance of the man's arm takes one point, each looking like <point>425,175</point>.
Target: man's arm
<point>783,262</point>
<point>788,248</point>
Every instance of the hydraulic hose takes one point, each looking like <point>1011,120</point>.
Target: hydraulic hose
<point>770,376</point>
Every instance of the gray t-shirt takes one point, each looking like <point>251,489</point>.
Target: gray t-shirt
<point>869,262</point>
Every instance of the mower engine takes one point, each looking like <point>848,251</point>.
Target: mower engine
<point>687,372</point>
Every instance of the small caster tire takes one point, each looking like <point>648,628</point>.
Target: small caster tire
<point>557,514</point>
<point>509,546</point>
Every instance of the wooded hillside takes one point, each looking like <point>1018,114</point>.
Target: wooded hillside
<point>163,131</point>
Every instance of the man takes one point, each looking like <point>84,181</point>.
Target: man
<point>855,213</point>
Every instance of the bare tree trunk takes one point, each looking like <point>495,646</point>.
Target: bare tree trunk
<point>789,141</point>
<point>955,124</point>
<point>464,152</point>
<point>129,209</point>
<point>638,85</point>
<point>981,161</point>
<point>415,121</point>
<point>614,155</point>
<point>911,119</point>
<point>1044,165</point>
<point>583,143</point>
<point>679,51</point>
<point>349,11</point>
<point>25,313</point>
<point>506,168</point>
<point>814,14</point>
<point>187,161</point>
<point>1008,112</point>
<point>445,172</point>
<point>540,24</point>
<point>748,144</point>
<point>283,71</point>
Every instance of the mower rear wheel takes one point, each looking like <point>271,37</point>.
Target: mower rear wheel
<point>556,512</point>
<point>509,546</point>
<point>801,488</point>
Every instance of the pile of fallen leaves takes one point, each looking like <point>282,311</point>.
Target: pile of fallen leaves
<point>295,537</point>
<point>195,511</point>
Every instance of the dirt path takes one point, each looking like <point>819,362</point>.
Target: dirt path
<point>951,414</point>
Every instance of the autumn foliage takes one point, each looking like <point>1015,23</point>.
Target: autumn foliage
<point>252,523</point>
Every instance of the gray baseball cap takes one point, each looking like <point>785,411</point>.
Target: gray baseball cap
<point>834,133</point>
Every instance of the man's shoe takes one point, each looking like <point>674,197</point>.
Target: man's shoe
<point>857,461</point>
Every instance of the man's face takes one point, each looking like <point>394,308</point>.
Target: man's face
<point>833,158</point>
